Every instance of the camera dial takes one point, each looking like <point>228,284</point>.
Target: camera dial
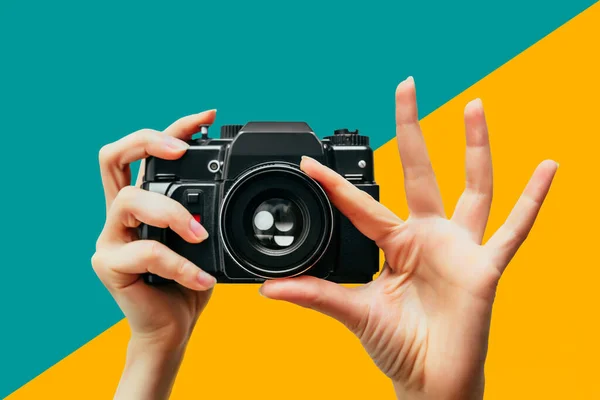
<point>344,137</point>
<point>230,131</point>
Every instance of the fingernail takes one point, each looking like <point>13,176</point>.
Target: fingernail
<point>175,143</point>
<point>260,291</point>
<point>206,279</point>
<point>474,104</point>
<point>310,159</point>
<point>410,79</point>
<point>198,229</point>
<point>207,111</point>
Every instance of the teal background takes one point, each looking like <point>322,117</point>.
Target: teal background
<point>77,75</point>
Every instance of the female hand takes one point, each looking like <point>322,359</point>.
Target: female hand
<point>425,320</point>
<point>161,318</point>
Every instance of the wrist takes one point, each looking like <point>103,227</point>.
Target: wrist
<point>157,342</point>
<point>150,369</point>
<point>473,391</point>
<point>154,351</point>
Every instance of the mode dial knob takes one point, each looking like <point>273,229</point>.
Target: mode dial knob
<point>344,137</point>
<point>229,131</point>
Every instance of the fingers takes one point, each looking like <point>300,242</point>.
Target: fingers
<point>323,296</point>
<point>473,208</point>
<point>185,127</point>
<point>509,237</point>
<point>115,157</point>
<point>422,192</point>
<point>119,267</point>
<point>134,206</point>
<point>368,215</point>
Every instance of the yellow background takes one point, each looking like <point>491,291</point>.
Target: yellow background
<point>545,341</point>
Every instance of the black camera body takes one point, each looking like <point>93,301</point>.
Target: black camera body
<point>266,218</point>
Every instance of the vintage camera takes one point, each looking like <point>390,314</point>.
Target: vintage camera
<point>266,218</point>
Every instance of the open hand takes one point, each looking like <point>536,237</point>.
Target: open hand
<point>425,320</point>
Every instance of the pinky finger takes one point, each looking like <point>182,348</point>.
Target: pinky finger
<point>509,237</point>
<point>122,266</point>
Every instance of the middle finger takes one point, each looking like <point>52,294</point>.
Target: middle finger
<point>134,206</point>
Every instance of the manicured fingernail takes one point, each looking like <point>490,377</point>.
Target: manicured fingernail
<point>410,79</point>
<point>175,143</point>
<point>206,279</point>
<point>309,159</point>
<point>198,229</point>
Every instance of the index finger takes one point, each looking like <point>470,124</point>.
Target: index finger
<point>115,157</point>
<point>183,129</point>
<point>368,215</point>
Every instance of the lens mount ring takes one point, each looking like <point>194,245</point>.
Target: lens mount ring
<point>317,234</point>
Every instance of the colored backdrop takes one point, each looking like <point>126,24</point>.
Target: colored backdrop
<point>76,75</point>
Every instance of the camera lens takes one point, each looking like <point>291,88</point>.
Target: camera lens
<point>276,221</point>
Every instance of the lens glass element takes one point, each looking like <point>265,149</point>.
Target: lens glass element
<point>276,223</point>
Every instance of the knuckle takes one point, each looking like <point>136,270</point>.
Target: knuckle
<point>175,212</point>
<point>153,251</point>
<point>99,243</point>
<point>171,211</point>
<point>144,135</point>
<point>126,195</point>
<point>180,213</point>
<point>106,154</point>
<point>181,267</point>
<point>314,298</point>
<point>514,238</point>
<point>97,262</point>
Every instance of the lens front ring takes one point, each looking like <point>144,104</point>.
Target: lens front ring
<point>288,181</point>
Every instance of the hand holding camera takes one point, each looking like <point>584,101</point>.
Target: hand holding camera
<point>425,320</point>
<point>242,209</point>
<point>161,320</point>
<point>266,218</point>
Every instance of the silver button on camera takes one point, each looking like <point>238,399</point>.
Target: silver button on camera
<point>214,166</point>
<point>362,163</point>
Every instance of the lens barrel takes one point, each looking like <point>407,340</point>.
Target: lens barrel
<point>276,221</point>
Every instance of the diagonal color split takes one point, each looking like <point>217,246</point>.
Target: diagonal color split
<point>76,75</point>
<point>543,103</point>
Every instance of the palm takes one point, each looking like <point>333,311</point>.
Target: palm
<point>417,305</point>
<point>425,320</point>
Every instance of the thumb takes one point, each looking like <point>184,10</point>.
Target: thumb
<point>339,302</point>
